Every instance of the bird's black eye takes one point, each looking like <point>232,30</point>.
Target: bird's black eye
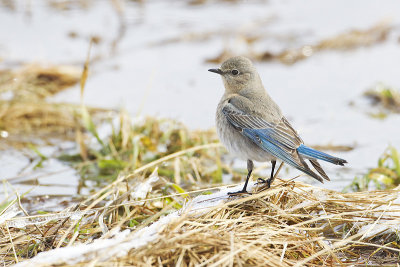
<point>235,72</point>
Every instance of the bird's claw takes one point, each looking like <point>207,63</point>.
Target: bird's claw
<point>261,181</point>
<point>264,181</point>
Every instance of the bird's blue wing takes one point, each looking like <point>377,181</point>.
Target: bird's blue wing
<point>279,132</point>
<point>278,137</point>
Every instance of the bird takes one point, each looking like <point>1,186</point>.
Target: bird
<point>252,126</point>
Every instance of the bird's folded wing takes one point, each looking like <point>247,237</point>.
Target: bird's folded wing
<point>278,137</point>
<point>279,132</point>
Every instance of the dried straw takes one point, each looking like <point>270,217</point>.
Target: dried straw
<point>291,224</point>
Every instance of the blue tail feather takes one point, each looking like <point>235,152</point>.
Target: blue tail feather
<point>312,153</point>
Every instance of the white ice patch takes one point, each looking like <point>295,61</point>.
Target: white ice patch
<point>383,224</point>
<point>42,219</point>
<point>9,214</point>
<point>144,188</point>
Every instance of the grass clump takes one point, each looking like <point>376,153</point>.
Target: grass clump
<point>292,224</point>
<point>388,99</point>
<point>385,176</point>
<point>26,115</point>
<point>33,82</point>
<point>130,146</point>
<point>342,42</point>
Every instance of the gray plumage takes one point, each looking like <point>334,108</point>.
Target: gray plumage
<point>251,125</point>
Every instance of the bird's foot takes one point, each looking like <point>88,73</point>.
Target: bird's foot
<point>264,181</point>
<point>241,192</point>
<point>261,181</point>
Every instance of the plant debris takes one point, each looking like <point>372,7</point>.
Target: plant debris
<point>386,175</point>
<point>291,224</point>
<point>345,41</point>
<point>384,96</point>
<point>34,82</point>
<point>26,115</point>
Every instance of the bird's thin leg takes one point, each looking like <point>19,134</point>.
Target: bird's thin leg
<point>271,178</point>
<point>250,166</point>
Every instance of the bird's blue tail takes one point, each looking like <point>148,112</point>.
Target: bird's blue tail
<point>315,154</point>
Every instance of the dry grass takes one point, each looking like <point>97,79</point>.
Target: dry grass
<point>387,98</point>
<point>345,41</point>
<point>26,115</point>
<point>23,109</point>
<point>291,224</point>
<point>33,81</point>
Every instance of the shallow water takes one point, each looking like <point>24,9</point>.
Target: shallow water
<point>148,73</point>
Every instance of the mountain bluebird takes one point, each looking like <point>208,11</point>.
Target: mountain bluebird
<point>251,125</point>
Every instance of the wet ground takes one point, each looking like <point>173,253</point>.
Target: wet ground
<point>150,58</point>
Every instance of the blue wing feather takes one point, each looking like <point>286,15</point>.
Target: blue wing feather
<point>265,141</point>
<point>312,153</point>
<point>279,138</point>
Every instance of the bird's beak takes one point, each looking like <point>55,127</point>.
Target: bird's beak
<point>216,71</point>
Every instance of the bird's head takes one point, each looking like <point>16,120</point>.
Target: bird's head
<point>238,73</point>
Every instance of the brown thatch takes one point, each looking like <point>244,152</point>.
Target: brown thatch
<point>291,224</point>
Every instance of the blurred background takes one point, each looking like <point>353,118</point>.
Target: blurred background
<point>332,66</point>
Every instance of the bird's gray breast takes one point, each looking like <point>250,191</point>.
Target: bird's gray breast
<point>235,142</point>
